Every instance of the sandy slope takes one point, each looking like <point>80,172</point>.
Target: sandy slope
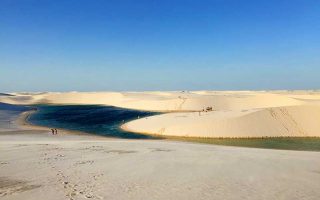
<point>37,165</point>
<point>273,122</point>
<point>235,113</point>
<point>46,168</point>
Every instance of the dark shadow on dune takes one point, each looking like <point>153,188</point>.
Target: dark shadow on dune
<point>11,187</point>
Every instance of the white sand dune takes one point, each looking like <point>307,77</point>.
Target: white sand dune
<point>272,122</point>
<point>37,165</point>
<point>52,168</point>
<point>235,113</point>
<point>171,101</point>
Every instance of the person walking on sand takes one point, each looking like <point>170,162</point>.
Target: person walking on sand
<point>52,131</point>
<point>56,131</point>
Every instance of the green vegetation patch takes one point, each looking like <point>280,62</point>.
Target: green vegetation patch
<point>286,143</point>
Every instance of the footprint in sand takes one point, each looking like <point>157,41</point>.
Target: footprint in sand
<point>120,151</point>
<point>161,150</point>
<point>86,189</point>
<point>84,162</point>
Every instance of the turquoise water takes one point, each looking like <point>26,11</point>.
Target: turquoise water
<point>101,120</point>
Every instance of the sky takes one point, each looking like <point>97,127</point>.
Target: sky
<point>137,45</point>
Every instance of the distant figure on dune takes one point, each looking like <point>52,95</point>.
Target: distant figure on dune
<point>56,131</point>
<point>52,131</point>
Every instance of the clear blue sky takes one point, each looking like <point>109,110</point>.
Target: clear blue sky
<point>92,45</point>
